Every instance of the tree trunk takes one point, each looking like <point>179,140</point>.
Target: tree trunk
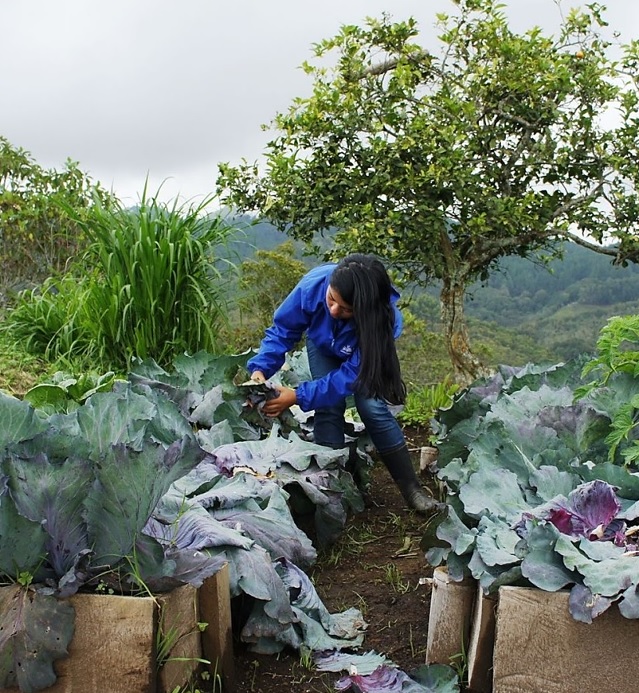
<point>466,366</point>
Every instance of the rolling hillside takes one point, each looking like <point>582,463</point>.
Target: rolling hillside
<point>524,310</point>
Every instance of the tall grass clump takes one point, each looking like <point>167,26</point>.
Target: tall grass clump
<point>48,321</point>
<point>157,289</point>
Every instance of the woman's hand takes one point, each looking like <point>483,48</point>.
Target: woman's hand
<point>285,399</point>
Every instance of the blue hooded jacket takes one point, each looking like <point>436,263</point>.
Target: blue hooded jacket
<point>305,310</point>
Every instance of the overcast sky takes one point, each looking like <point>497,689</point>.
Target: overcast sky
<point>169,88</point>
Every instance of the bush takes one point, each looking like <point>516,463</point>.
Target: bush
<point>265,281</point>
<point>153,290</point>
<point>39,210</point>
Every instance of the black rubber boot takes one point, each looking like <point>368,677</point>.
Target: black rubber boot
<point>401,468</point>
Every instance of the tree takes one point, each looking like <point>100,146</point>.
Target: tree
<point>266,280</point>
<point>38,237</point>
<point>500,144</point>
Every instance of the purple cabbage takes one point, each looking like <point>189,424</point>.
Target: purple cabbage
<point>589,512</point>
<point>385,679</point>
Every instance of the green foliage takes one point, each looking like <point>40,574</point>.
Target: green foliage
<point>50,322</point>
<point>65,392</point>
<point>156,291</point>
<point>266,279</point>
<point>442,160</point>
<point>19,369</point>
<point>618,353</point>
<point>617,348</point>
<point>44,632</point>
<point>497,345</point>
<point>422,353</point>
<point>532,496</point>
<point>39,236</point>
<point>393,576</point>
<point>524,312</point>
<point>424,402</point>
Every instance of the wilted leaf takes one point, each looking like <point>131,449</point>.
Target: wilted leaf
<point>35,630</point>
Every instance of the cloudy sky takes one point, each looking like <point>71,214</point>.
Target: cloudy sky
<point>166,89</point>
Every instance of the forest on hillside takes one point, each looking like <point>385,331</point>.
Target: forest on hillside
<point>560,305</point>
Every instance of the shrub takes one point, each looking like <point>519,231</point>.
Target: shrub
<point>265,281</point>
<point>39,210</point>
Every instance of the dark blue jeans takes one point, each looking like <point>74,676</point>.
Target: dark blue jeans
<point>379,421</point>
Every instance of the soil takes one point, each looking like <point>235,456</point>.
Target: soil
<point>376,567</point>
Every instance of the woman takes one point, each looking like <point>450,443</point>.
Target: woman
<point>350,317</point>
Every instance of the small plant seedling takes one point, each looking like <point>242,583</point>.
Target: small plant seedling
<point>393,576</point>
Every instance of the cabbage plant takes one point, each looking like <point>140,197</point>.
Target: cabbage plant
<point>534,496</point>
<point>159,482</point>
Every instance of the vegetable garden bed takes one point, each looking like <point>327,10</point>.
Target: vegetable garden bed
<point>540,468</point>
<point>154,485</point>
<point>525,639</point>
<point>126,644</point>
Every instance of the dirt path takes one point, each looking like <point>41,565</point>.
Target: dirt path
<point>377,567</point>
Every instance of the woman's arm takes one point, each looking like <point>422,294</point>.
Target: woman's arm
<point>290,321</point>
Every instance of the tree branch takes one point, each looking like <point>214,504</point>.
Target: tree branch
<point>602,250</point>
<point>578,201</point>
<point>391,64</point>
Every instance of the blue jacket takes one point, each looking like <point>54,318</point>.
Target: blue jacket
<point>304,310</point>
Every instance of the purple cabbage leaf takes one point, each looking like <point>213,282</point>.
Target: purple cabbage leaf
<point>590,511</point>
<point>54,495</point>
<point>35,630</point>
<point>373,673</point>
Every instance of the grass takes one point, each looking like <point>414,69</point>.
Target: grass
<point>159,292</point>
<point>352,542</point>
<point>399,523</point>
<point>149,286</point>
<point>393,576</point>
<point>19,370</point>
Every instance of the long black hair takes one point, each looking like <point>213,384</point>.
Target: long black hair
<point>363,283</point>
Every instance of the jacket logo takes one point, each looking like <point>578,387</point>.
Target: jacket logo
<point>346,349</point>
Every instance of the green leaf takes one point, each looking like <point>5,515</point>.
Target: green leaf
<point>550,483</point>
<point>219,434</point>
<point>109,419</point>
<point>22,541</point>
<point>19,421</point>
<point>454,532</point>
<point>545,569</point>
<point>496,542</point>
<point>627,484</point>
<point>629,602</point>
<point>495,492</point>
<point>52,496</point>
<point>498,448</point>
<point>49,397</point>
<point>607,577</point>
<point>436,678</point>
<point>129,486</point>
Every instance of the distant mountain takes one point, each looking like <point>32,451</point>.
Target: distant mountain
<point>561,306</point>
<point>255,235</point>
